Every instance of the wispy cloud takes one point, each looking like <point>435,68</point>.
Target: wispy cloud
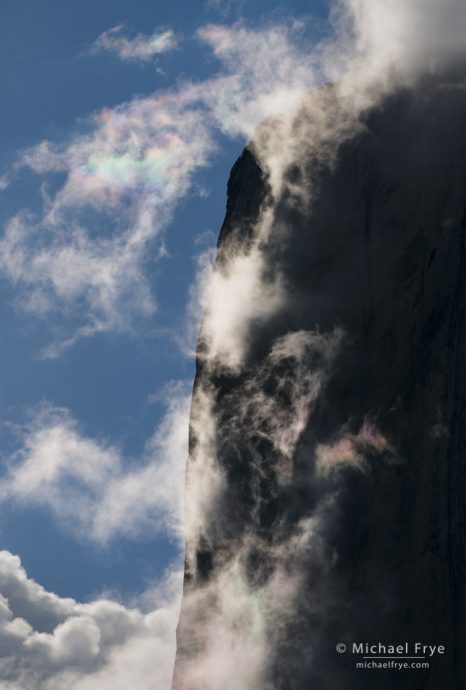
<point>352,450</point>
<point>225,7</point>
<point>122,179</point>
<point>135,163</point>
<point>90,487</point>
<point>251,542</point>
<point>231,626</point>
<point>127,173</point>
<point>273,405</point>
<point>141,47</point>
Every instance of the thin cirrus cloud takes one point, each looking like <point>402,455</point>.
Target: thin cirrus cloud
<point>141,47</point>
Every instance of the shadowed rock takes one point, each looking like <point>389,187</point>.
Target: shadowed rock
<point>379,253</point>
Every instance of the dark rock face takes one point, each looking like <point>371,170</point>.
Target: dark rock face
<point>381,254</point>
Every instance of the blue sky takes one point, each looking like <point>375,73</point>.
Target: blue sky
<point>51,82</point>
<point>119,124</point>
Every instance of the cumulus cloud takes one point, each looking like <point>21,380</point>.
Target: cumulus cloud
<point>141,47</point>
<point>89,485</point>
<point>48,643</point>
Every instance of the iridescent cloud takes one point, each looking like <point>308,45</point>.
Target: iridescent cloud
<point>141,47</point>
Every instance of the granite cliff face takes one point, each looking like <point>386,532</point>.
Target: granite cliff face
<point>342,441</point>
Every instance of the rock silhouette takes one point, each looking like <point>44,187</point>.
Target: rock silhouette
<point>377,261</point>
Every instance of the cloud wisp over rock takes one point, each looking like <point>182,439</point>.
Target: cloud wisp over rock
<point>298,441</point>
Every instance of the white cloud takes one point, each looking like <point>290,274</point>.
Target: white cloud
<point>266,73</point>
<point>85,258</point>
<point>231,625</point>
<point>130,170</point>
<point>135,163</point>
<point>204,475</point>
<point>407,33</point>
<point>277,403</point>
<point>236,295</point>
<point>90,487</point>
<point>273,403</point>
<point>141,47</point>
<point>234,621</point>
<point>51,643</point>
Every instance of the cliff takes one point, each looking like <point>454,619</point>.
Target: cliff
<point>364,509</point>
